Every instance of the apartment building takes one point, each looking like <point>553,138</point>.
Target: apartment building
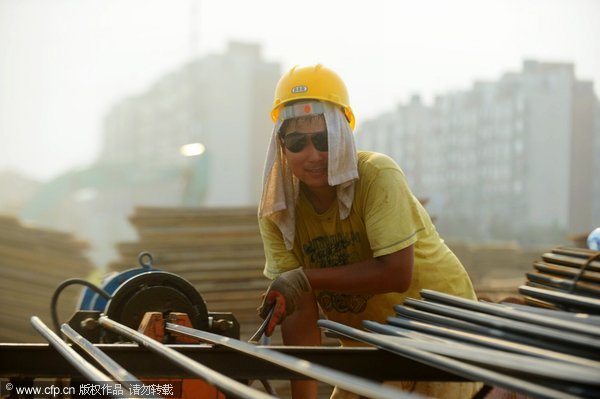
<point>220,101</point>
<point>512,158</point>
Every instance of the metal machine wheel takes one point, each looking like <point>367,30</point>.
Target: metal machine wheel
<point>155,291</point>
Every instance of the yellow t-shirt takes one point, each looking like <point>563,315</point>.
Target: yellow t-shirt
<point>385,218</point>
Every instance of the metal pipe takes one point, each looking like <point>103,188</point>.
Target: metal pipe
<point>531,330</point>
<point>466,370</point>
<point>578,302</point>
<point>212,377</point>
<point>494,358</point>
<point>75,359</point>
<point>513,314</point>
<point>345,381</point>
<point>572,261</point>
<point>112,367</point>
<point>580,317</point>
<point>400,326</point>
<point>461,325</point>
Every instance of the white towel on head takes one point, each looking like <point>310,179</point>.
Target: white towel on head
<point>281,187</point>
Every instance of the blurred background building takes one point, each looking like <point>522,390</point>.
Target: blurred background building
<point>218,101</point>
<point>513,159</point>
<point>197,137</point>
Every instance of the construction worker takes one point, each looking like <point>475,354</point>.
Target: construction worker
<point>341,228</point>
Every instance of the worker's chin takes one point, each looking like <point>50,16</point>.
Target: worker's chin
<point>315,182</point>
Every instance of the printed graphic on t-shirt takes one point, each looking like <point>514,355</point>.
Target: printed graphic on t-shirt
<point>342,303</point>
<point>330,251</point>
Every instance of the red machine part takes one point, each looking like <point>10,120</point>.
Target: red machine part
<point>153,326</point>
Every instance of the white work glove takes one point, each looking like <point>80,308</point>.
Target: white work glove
<point>283,293</point>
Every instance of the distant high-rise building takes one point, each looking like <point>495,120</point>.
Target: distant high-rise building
<point>509,159</point>
<point>596,172</point>
<point>221,101</point>
<point>399,134</point>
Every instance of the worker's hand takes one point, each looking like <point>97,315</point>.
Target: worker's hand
<point>283,293</point>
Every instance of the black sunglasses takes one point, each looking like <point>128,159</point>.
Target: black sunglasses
<point>295,142</point>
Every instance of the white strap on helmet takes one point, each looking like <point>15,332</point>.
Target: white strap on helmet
<point>303,108</point>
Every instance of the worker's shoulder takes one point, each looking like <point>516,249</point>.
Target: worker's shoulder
<point>369,161</point>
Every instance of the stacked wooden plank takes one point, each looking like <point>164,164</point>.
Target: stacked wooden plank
<point>218,250</point>
<point>33,262</point>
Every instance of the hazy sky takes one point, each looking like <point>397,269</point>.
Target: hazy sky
<point>63,63</point>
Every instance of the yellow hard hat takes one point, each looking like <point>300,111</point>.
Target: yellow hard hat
<point>312,82</point>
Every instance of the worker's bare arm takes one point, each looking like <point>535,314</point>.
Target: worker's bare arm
<point>387,273</point>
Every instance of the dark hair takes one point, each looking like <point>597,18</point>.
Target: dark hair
<point>285,124</point>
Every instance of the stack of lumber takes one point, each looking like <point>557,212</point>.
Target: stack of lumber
<point>567,270</point>
<point>218,250</point>
<point>33,262</point>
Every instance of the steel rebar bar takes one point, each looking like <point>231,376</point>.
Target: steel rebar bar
<point>345,381</point>
<point>90,372</point>
<point>463,369</point>
<point>212,377</point>
<point>113,368</point>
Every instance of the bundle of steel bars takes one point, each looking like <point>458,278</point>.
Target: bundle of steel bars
<point>529,350</point>
<point>117,381</point>
<point>566,279</point>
